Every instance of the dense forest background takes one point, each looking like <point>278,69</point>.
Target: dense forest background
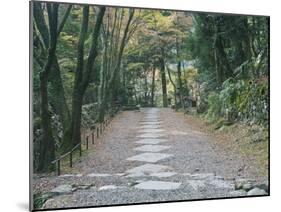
<point>91,60</point>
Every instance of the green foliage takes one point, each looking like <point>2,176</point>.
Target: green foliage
<point>240,100</point>
<point>40,199</point>
<point>230,53</point>
<point>89,115</point>
<point>217,60</point>
<point>214,106</point>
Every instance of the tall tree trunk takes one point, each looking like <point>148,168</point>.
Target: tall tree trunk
<point>153,86</point>
<point>180,84</point>
<point>219,74</point>
<point>82,76</point>
<point>122,46</point>
<point>145,90</point>
<point>72,137</point>
<point>164,83</point>
<point>221,61</point>
<point>57,97</point>
<point>179,72</point>
<point>101,97</point>
<point>109,61</point>
<point>247,39</point>
<point>174,86</point>
<point>47,152</point>
<point>224,63</point>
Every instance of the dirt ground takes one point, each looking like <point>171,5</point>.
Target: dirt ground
<point>198,161</point>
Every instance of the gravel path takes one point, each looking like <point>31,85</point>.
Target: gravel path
<point>147,156</point>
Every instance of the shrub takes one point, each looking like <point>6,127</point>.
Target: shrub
<point>214,106</point>
<point>240,100</point>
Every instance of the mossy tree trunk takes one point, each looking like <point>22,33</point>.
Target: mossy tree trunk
<point>164,82</point>
<point>82,77</point>
<point>47,150</point>
<point>153,87</point>
<point>174,86</point>
<point>57,95</point>
<point>116,68</point>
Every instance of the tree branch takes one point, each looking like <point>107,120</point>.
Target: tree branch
<point>41,23</point>
<point>93,51</point>
<point>62,23</point>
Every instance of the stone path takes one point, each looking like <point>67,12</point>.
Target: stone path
<point>151,118</point>
<point>150,156</point>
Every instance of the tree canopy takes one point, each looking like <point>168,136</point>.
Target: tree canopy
<point>88,60</point>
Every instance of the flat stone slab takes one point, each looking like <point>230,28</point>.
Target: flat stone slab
<point>140,174</point>
<point>221,184</point>
<point>158,185</point>
<point>150,157</point>
<point>120,174</point>
<point>150,135</point>
<point>98,175</point>
<point>151,148</point>
<point>62,189</point>
<point>151,113</point>
<point>200,176</point>
<point>71,175</point>
<point>196,184</point>
<point>151,130</point>
<point>151,117</point>
<point>151,141</point>
<point>107,187</point>
<point>256,191</point>
<point>149,126</point>
<point>148,169</point>
<point>163,174</point>
<point>238,193</point>
<point>151,122</point>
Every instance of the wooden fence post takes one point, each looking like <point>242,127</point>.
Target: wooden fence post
<point>80,150</point>
<point>58,167</point>
<point>70,159</point>
<point>87,142</point>
<point>93,137</point>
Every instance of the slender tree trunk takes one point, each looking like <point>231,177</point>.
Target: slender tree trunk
<point>219,74</point>
<point>57,97</point>
<point>82,76</point>
<point>47,153</point>
<point>113,81</point>
<point>174,86</point>
<point>223,58</point>
<point>106,73</point>
<point>179,72</point>
<point>153,87</point>
<point>247,40</point>
<point>103,69</point>
<point>180,84</point>
<point>145,90</point>
<point>72,135</point>
<point>122,46</point>
<point>221,61</point>
<point>164,83</point>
